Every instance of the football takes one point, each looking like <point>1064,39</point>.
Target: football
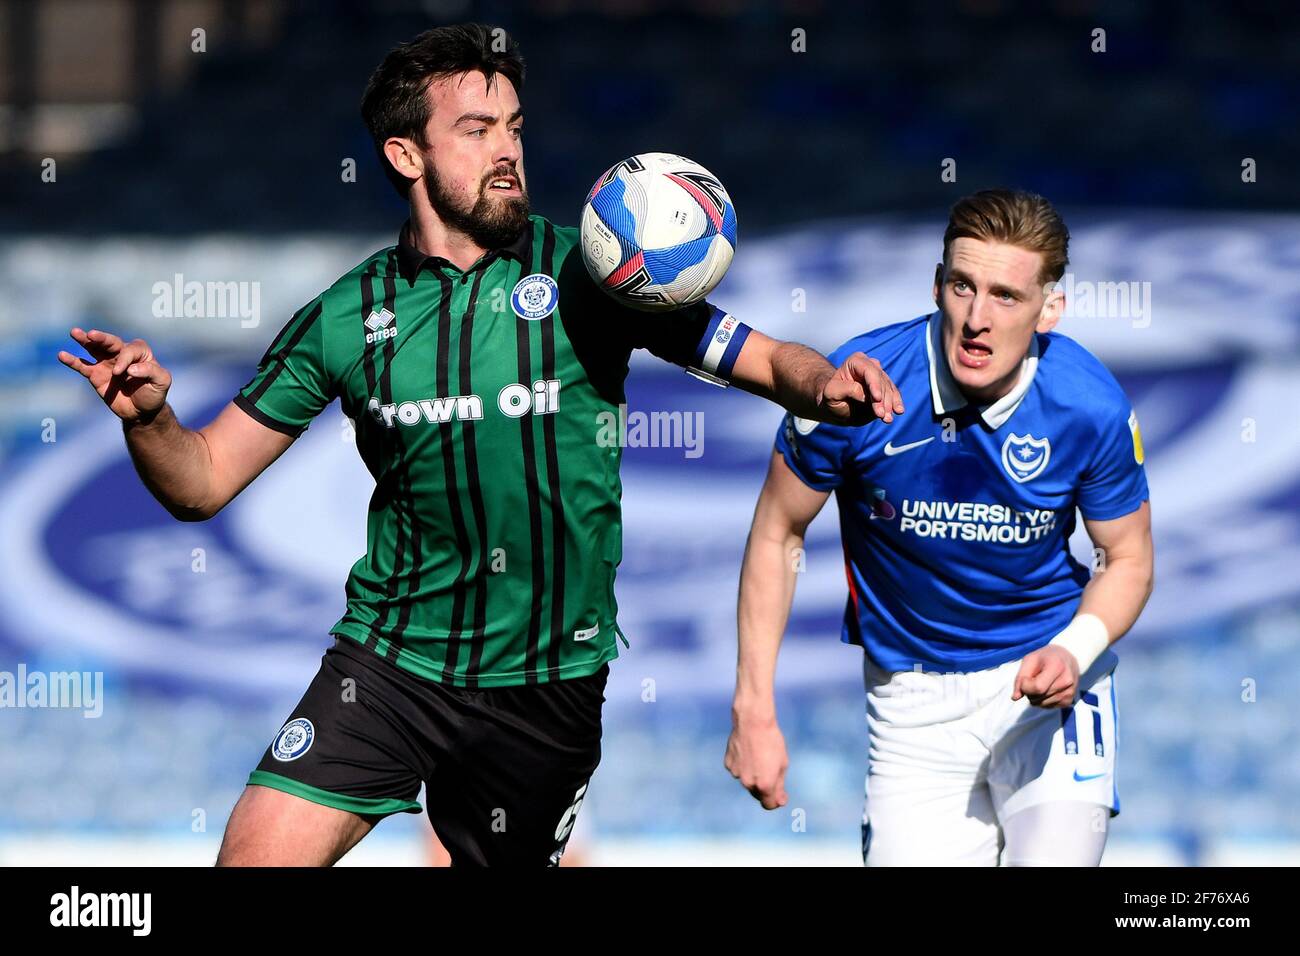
<point>658,231</point>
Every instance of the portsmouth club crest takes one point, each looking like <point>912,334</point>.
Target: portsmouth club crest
<point>535,296</point>
<point>1025,457</point>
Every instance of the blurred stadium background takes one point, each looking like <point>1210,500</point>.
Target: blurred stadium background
<point>175,165</point>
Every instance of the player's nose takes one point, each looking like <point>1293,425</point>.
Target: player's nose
<point>506,149</point>
<point>979,319</point>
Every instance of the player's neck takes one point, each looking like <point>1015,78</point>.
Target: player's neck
<point>433,237</point>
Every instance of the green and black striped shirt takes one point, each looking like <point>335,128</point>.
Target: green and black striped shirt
<point>480,398</point>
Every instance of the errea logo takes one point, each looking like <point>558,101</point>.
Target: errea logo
<point>381,325</point>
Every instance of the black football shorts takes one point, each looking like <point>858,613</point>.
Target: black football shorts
<point>505,769</point>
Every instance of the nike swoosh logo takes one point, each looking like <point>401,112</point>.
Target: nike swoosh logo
<point>892,449</point>
<point>1091,776</point>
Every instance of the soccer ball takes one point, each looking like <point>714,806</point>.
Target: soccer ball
<point>658,232</point>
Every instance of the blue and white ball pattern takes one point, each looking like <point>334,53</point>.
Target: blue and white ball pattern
<point>658,231</point>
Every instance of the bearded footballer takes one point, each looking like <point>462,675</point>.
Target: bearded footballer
<point>477,358</point>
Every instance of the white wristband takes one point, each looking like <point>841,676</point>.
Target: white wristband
<point>1086,638</point>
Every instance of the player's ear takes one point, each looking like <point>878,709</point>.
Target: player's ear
<point>938,281</point>
<point>404,157</point>
<point>1053,306</point>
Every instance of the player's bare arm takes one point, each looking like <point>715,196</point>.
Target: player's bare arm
<point>1110,605</point>
<point>1120,587</point>
<point>802,381</point>
<point>193,474</point>
<point>756,754</point>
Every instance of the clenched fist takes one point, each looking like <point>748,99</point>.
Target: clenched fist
<point>1049,677</point>
<point>756,756</point>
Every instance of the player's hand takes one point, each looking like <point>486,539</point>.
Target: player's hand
<point>124,374</point>
<point>1049,677</point>
<point>756,757</point>
<point>860,391</point>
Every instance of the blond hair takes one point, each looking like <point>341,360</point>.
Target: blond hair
<point>1017,218</point>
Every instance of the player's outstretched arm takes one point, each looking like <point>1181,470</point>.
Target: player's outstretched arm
<point>193,474</point>
<point>756,754</point>
<point>802,381</point>
<point>1110,605</point>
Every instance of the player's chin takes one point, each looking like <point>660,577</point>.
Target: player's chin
<point>510,211</point>
<point>976,380</point>
<point>972,379</point>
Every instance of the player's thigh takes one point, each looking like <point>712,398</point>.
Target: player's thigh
<point>1063,833</point>
<point>355,749</point>
<point>273,828</point>
<point>926,799</point>
<point>513,797</point>
<point>939,821</point>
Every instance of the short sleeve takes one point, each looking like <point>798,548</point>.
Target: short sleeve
<point>291,386</point>
<point>815,451</point>
<point>1115,483</point>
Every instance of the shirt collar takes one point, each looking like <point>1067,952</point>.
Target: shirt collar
<point>411,260</point>
<point>947,397</point>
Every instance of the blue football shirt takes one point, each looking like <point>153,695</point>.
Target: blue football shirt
<point>955,519</point>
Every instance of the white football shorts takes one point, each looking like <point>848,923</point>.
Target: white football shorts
<point>952,758</point>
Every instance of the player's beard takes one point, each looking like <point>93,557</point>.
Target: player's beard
<point>492,222</point>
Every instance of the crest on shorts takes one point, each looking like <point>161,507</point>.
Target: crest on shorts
<point>535,296</point>
<point>293,740</point>
<point>1025,457</point>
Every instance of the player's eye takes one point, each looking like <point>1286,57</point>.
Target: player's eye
<point>517,131</point>
<point>480,132</point>
<point>959,285</point>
